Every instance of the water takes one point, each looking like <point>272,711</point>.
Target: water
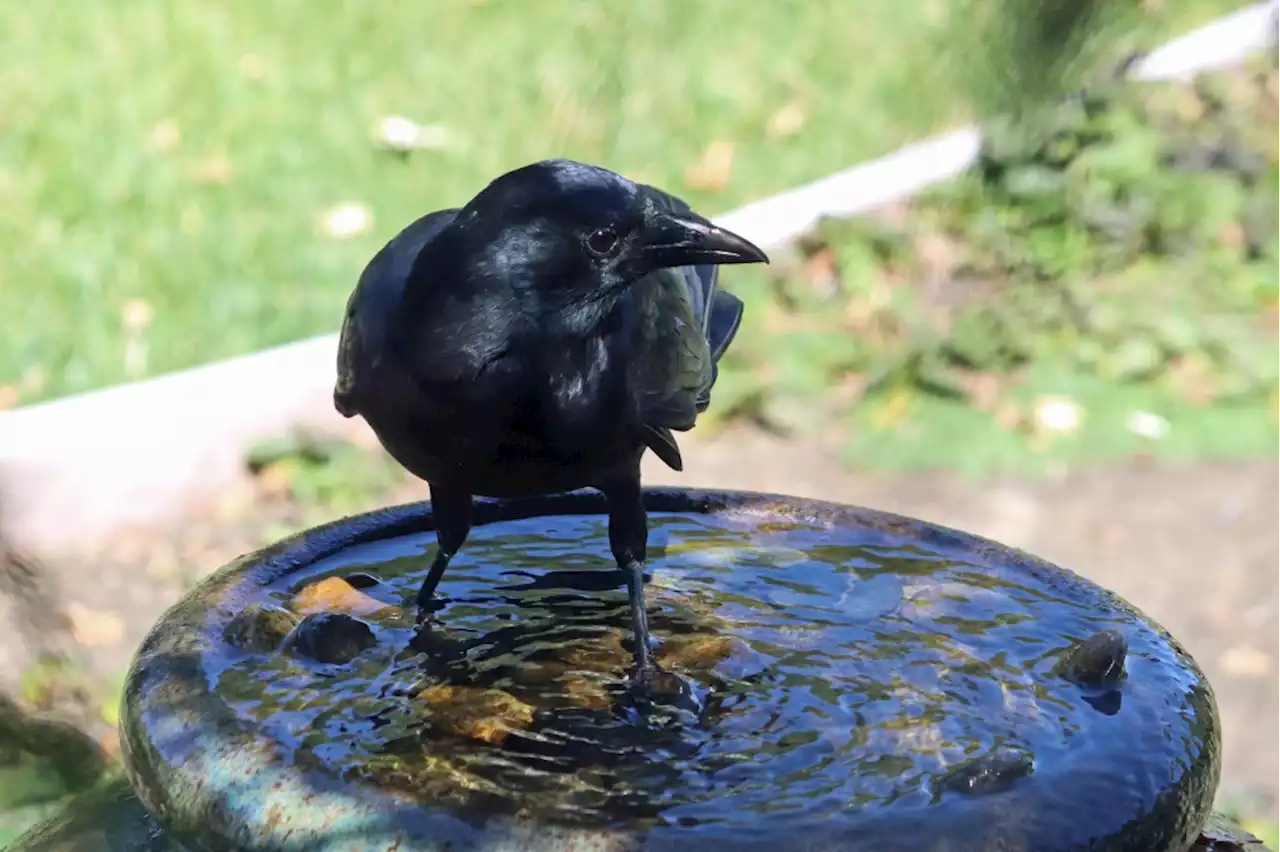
<point>841,672</point>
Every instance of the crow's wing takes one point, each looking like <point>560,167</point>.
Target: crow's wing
<point>363,338</point>
<point>670,362</point>
<point>683,325</point>
<point>718,313</point>
<point>723,321</point>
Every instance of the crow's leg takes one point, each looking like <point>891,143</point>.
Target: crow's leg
<point>628,538</point>
<point>451,510</point>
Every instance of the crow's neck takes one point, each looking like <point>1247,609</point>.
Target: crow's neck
<point>581,319</point>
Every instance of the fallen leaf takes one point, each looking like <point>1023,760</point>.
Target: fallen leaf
<point>335,594</point>
<point>399,133</point>
<point>137,315</point>
<point>712,172</point>
<point>1193,378</point>
<point>1009,416</point>
<point>164,136</point>
<point>787,121</point>
<point>849,389</point>
<point>216,168</point>
<point>982,390</point>
<point>822,272</point>
<point>1057,414</point>
<point>1147,424</point>
<point>253,67</point>
<point>1231,235</point>
<point>94,628</point>
<point>345,220</point>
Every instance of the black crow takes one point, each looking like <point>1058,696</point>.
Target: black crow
<point>538,340</point>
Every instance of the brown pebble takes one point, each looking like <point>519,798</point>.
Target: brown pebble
<point>487,715</point>
<point>335,594</point>
<point>603,655</point>
<point>695,652</point>
<point>587,693</point>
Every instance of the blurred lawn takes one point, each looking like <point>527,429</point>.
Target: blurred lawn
<point>163,164</point>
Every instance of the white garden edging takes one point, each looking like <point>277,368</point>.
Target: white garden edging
<point>77,469</point>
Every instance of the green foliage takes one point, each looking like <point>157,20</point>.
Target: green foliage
<point>1125,232</point>
<point>1127,236</point>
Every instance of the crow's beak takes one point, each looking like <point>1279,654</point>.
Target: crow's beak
<point>686,239</point>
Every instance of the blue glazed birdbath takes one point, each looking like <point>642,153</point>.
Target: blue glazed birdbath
<point>863,681</point>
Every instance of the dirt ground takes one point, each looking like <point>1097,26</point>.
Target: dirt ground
<point>1194,546</point>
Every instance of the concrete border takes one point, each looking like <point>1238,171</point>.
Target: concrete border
<point>89,465</point>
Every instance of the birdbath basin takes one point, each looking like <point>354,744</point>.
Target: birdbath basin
<point>866,681</point>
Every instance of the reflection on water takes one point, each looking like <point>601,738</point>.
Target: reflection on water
<point>835,673</point>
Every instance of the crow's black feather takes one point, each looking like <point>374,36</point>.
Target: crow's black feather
<point>540,339</point>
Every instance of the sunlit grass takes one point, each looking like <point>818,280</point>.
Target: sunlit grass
<point>164,164</point>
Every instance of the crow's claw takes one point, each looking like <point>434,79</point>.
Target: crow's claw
<point>655,687</point>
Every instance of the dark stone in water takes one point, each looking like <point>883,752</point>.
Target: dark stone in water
<point>259,628</point>
<point>331,637</point>
<point>989,773</point>
<point>361,580</point>
<point>864,681</point>
<point>1097,661</point>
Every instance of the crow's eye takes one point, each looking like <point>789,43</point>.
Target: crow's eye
<point>602,242</point>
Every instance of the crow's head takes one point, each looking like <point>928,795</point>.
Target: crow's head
<point>576,233</point>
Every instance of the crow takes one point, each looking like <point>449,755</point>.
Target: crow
<point>539,340</point>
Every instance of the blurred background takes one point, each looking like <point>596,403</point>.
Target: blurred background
<point>1072,348</point>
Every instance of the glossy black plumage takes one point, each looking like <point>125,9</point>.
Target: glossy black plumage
<point>538,340</point>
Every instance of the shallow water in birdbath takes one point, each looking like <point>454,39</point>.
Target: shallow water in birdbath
<point>843,676</point>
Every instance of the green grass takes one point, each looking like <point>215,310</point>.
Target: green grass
<point>178,152</point>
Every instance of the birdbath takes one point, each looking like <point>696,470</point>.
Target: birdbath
<point>863,681</point>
